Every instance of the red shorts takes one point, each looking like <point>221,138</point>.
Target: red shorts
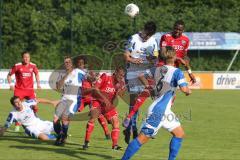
<point>84,102</point>
<point>108,113</point>
<point>24,93</point>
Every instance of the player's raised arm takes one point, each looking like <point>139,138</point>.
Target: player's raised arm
<point>47,101</point>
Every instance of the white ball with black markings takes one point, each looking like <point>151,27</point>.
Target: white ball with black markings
<point>132,10</point>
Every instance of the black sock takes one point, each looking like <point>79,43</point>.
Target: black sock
<point>57,127</point>
<point>65,130</point>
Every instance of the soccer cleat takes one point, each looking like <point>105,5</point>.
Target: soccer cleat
<point>127,135</point>
<point>108,136</point>
<point>86,145</point>
<point>17,129</point>
<point>59,140</point>
<point>117,147</point>
<point>63,140</point>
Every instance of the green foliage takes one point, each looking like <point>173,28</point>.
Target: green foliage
<point>54,28</point>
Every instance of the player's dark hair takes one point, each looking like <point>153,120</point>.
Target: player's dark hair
<point>179,22</point>
<point>81,58</point>
<point>150,28</point>
<point>12,99</point>
<point>67,57</point>
<point>24,52</point>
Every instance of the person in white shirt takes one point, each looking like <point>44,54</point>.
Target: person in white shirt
<point>70,84</point>
<point>140,54</point>
<point>23,113</point>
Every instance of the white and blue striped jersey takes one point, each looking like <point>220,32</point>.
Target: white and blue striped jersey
<point>72,84</point>
<point>167,79</point>
<point>141,49</point>
<point>26,117</point>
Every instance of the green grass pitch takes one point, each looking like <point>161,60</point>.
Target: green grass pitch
<point>211,121</point>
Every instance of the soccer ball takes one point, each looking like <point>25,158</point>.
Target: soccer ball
<point>132,10</point>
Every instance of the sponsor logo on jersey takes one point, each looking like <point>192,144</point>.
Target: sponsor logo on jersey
<point>109,90</point>
<point>26,74</point>
<point>184,42</point>
<point>178,47</point>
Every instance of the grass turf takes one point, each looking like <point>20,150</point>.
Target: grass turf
<point>210,119</point>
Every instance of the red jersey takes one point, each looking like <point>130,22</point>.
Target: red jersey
<point>87,85</point>
<point>107,86</point>
<point>180,44</point>
<point>24,75</point>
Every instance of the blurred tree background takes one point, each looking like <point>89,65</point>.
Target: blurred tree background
<point>51,29</point>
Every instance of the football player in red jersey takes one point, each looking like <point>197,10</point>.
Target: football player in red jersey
<point>87,98</point>
<point>107,87</point>
<point>23,88</point>
<point>180,43</point>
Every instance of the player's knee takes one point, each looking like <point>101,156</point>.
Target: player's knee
<point>115,122</point>
<point>43,137</point>
<point>179,133</point>
<point>55,119</point>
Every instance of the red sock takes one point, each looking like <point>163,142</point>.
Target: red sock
<point>115,136</point>
<point>140,100</point>
<point>89,129</point>
<point>81,108</point>
<point>103,123</point>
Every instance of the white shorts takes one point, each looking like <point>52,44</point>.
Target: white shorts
<point>133,83</point>
<point>67,107</point>
<point>45,127</point>
<point>160,115</point>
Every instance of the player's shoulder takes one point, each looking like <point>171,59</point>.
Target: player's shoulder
<point>152,39</point>
<point>184,36</point>
<point>103,76</point>
<point>29,102</point>
<point>77,70</point>
<point>18,64</point>
<point>167,34</point>
<point>177,71</point>
<point>32,64</point>
<point>134,37</point>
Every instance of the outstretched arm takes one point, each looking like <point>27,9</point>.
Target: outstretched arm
<point>186,64</point>
<point>47,101</point>
<point>8,123</point>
